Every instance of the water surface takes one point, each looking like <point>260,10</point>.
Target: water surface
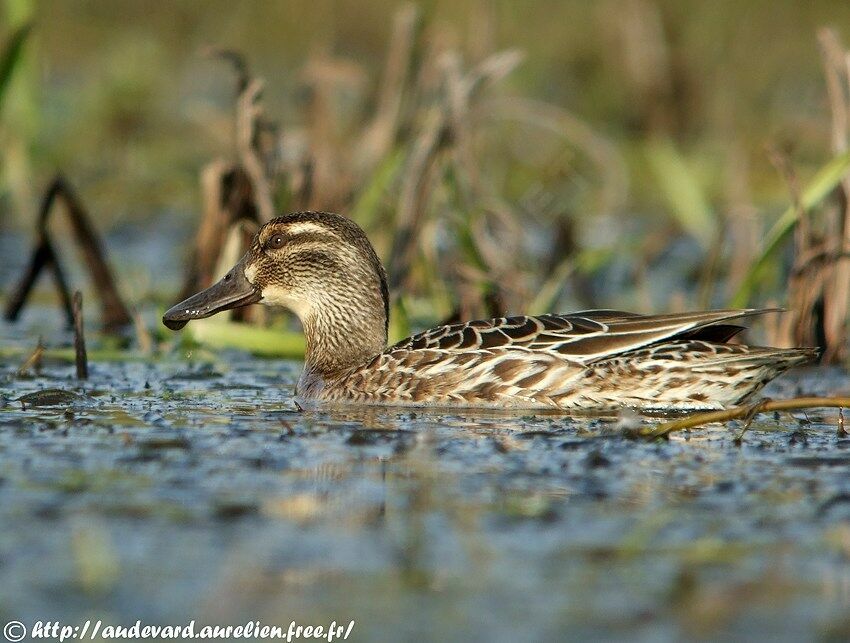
<point>177,489</point>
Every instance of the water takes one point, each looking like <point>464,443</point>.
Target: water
<point>178,490</point>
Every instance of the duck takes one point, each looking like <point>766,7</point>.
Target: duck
<point>322,267</point>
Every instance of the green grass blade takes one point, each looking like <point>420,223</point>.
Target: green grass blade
<point>11,56</point>
<point>824,181</point>
<point>681,190</point>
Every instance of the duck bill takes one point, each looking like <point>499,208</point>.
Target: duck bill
<point>232,291</point>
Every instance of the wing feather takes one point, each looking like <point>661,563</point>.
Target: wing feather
<point>582,337</point>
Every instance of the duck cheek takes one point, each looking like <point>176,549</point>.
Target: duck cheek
<point>277,296</point>
<point>281,297</point>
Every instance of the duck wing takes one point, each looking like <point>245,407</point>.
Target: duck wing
<point>583,337</point>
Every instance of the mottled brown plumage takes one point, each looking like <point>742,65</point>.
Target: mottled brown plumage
<point>323,267</point>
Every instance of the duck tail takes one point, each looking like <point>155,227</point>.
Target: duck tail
<point>761,365</point>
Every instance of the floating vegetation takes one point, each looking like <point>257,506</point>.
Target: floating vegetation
<point>51,397</point>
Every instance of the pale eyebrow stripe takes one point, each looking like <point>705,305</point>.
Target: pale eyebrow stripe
<point>307,227</point>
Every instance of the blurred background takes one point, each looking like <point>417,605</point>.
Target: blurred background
<point>502,156</point>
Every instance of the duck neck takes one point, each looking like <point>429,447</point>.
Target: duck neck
<point>343,332</point>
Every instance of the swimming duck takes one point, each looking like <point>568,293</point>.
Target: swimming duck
<point>323,268</point>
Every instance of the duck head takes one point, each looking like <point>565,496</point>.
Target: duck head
<point>322,267</point>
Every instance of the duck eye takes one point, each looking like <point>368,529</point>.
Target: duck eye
<point>276,242</point>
